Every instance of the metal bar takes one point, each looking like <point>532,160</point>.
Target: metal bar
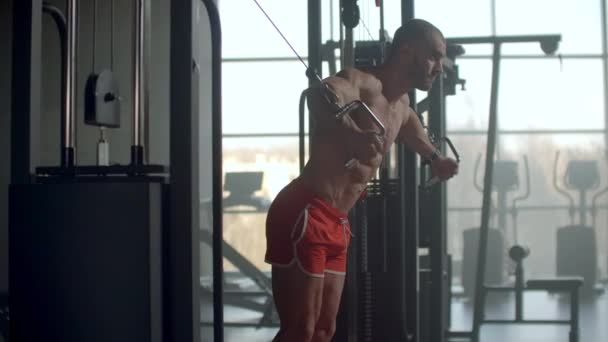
<point>519,291</point>
<point>528,321</point>
<point>347,54</point>
<point>262,59</point>
<point>451,133</point>
<point>144,124</point>
<point>408,192</point>
<point>574,315</point>
<point>382,25</point>
<point>465,56</point>
<point>487,197</point>
<point>302,130</point>
<point>315,37</point>
<point>528,208</point>
<point>493,16</point>
<point>525,56</point>
<point>435,211</point>
<point>25,85</point>
<point>331,19</point>
<point>499,288</point>
<point>182,304</point>
<point>529,131</point>
<point>407,10</point>
<point>469,209</point>
<point>69,143</point>
<point>61,24</point>
<point>218,174</point>
<point>503,39</point>
<point>136,69</point>
<point>140,88</point>
<point>262,135</point>
<point>605,70</point>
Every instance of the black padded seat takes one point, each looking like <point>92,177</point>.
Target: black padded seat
<point>560,283</point>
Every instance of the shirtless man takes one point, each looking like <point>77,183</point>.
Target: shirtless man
<point>307,228</point>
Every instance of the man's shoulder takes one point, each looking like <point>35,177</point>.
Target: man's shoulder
<point>346,82</point>
<point>357,78</point>
<point>356,75</point>
<point>349,76</point>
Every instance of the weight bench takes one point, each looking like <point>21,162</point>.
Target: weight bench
<point>570,285</point>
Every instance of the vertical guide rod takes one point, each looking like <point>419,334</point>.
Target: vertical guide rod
<point>61,23</point>
<point>605,69</point>
<point>409,217</point>
<point>140,88</point>
<point>70,99</point>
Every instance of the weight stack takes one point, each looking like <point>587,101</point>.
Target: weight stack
<point>387,262</point>
<point>86,261</point>
<point>373,302</point>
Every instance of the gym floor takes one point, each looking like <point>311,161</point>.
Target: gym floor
<point>537,305</point>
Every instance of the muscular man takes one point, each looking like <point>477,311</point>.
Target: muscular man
<point>307,228</point>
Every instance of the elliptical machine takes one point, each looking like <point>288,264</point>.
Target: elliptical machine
<point>576,246</point>
<point>506,180</point>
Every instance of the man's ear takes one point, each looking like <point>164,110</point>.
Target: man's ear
<point>404,52</point>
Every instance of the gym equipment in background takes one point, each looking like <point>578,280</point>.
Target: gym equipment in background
<point>568,285</point>
<point>506,180</point>
<point>241,187</point>
<point>576,243</point>
<point>549,45</point>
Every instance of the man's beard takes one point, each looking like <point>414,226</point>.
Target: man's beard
<point>422,80</point>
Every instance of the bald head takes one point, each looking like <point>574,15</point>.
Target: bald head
<point>413,33</point>
<point>416,54</point>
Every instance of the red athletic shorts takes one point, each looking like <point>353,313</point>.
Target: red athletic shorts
<point>305,230</point>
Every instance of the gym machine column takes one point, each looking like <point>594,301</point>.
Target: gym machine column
<point>85,252</point>
<point>432,231</point>
<point>109,253</point>
<point>408,194</point>
<point>435,263</point>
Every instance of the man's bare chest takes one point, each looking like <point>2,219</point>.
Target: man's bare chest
<point>391,114</point>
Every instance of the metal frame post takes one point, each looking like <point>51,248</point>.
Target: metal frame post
<point>605,70</point>
<point>217,173</point>
<point>141,57</point>
<point>314,63</point>
<point>408,176</point>
<point>25,83</point>
<point>487,195</point>
<point>435,222</point>
<point>183,307</point>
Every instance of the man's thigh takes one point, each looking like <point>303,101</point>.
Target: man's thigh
<point>297,295</point>
<point>333,284</point>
